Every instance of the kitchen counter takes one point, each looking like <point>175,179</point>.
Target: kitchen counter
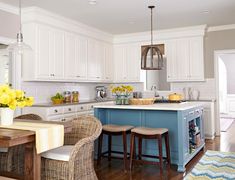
<point>157,106</point>
<point>70,104</point>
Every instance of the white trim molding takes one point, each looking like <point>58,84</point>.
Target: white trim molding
<point>36,14</point>
<point>9,8</point>
<point>221,28</point>
<point>217,54</point>
<point>161,34</point>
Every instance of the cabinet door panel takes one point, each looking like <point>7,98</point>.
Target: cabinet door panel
<point>81,56</point>
<point>58,61</point>
<point>119,57</point>
<point>171,55</point>
<point>183,59</point>
<point>133,62</point>
<point>70,56</point>
<point>196,59</point>
<point>108,63</point>
<point>43,60</point>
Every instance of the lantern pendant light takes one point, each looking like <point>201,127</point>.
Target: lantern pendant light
<point>19,47</point>
<point>151,56</point>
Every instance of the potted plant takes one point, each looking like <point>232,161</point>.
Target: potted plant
<point>10,99</point>
<point>57,99</point>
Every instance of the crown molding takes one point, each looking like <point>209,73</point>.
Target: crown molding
<point>161,34</point>
<point>36,14</point>
<point>221,28</point>
<point>9,8</point>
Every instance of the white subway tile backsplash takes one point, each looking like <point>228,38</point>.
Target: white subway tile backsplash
<point>206,88</point>
<point>42,91</point>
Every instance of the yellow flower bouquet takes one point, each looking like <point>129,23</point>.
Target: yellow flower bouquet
<point>13,98</point>
<point>10,99</point>
<point>122,93</point>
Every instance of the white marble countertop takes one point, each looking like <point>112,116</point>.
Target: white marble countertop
<point>157,106</point>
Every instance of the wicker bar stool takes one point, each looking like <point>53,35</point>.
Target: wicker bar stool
<point>150,133</point>
<point>114,130</point>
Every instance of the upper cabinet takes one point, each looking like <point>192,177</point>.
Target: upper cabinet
<point>59,55</point>
<point>185,59</point>
<point>127,60</point>
<point>47,59</point>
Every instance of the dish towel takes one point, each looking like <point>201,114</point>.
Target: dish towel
<point>48,136</point>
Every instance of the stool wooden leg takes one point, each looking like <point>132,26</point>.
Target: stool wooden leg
<point>109,147</point>
<point>159,137</point>
<point>124,150</point>
<point>132,149</point>
<point>100,144</point>
<point>168,156</point>
<point>140,148</point>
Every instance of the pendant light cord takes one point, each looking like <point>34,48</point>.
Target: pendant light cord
<point>151,25</point>
<point>20,16</point>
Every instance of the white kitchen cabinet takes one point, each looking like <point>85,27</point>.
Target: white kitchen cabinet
<point>75,57</point>
<point>127,59</point>
<point>108,63</point>
<point>209,119</point>
<point>95,64</point>
<point>47,60</point>
<point>185,60</point>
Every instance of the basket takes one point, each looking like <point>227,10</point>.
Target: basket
<point>141,101</point>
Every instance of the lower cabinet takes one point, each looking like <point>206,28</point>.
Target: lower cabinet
<point>194,138</point>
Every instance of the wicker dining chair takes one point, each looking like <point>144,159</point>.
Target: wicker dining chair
<point>74,160</point>
<point>12,159</point>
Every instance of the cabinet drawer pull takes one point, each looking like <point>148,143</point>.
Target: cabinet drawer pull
<point>70,109</point>
<point>191,113</point>
<point>81,108</point>
<point>97,77</point>
<point>78,76</point>
<point>56,111</point>
<point>63,119</point>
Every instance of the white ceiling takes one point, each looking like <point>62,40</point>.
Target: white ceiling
<point>128,16</point>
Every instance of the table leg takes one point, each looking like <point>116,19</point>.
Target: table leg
<point>37,165</point>
<point>29,158</point>
<point>32,163</point>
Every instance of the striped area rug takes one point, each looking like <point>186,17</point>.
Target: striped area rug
<point>214,165</point>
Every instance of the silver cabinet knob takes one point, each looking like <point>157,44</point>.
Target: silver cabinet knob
<point>55,110</point>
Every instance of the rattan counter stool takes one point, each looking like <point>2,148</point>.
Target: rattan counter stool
<point>114,130</point>
<point>150,133</point>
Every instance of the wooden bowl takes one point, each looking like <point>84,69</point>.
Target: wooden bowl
<point>141,101</point>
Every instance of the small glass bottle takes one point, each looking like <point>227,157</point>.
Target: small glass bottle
<point>67,97</point>
<point>75,96</point>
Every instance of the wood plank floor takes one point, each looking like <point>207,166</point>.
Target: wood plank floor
<point>114,170</point>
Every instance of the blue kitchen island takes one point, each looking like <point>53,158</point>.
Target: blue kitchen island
<point>183,120</point>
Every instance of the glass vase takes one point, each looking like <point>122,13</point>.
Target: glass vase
<point>118,100</point>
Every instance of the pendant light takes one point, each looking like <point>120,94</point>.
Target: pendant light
<point>151,56</point>
<point>19,47</point>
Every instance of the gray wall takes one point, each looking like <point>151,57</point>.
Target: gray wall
<point>9,24</point>
<point>229,61</point>
<point>218,40</point>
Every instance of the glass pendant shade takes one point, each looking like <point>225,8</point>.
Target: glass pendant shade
<point>19,47</point>
<point>151,58</point>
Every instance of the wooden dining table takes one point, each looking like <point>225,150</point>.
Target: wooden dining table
<point>32,160</point>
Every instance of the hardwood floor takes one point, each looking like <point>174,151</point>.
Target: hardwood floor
<point>114,170</point>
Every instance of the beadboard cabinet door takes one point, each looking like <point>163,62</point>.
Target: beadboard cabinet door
<point>127,59</point>
<point>108,63</point>
<point>185,60</point>
<point>75,57</point>
<point>49,56</point>
<point>96,55</point>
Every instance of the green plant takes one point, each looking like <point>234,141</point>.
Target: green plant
<point>57,96</point>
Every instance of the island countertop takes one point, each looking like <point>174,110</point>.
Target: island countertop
<point>157,106</point>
